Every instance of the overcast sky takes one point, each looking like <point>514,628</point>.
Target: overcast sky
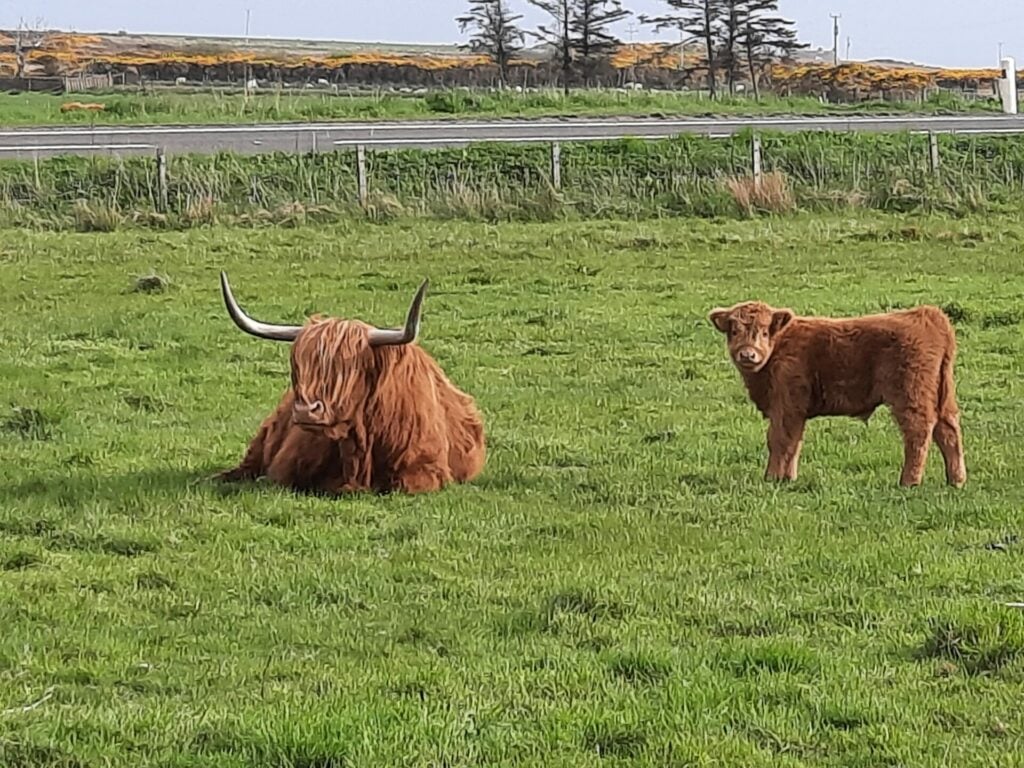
<point>940,32</point>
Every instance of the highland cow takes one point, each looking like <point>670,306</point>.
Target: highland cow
<point>368,410</point>
<point>798,368</point>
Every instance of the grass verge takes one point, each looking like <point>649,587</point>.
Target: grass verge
<point>234,107</point>
<point>688,176</point>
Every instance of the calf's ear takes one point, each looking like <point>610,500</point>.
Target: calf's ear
<point>721,319</point>
<point>781,318</point>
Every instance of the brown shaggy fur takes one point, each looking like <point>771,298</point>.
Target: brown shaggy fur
<point>798,368</point>
<point>391,420</point>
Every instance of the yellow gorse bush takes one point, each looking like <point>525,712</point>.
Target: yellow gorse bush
<point>69,53</point>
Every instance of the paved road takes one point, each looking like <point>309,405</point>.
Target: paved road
<point>323,137</point>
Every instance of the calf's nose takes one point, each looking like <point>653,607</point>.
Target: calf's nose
<point>747,356</point>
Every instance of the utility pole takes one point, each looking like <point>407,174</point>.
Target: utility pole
<point>248,12</point>
<point>849,41</point>
<point>835,37</point>
<point>631,29</point>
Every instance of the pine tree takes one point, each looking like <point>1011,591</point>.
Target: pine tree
<point>592,39</point>
<point>735,15</point>
<point>697,18</point>
<point>558,33</point>
<point>494,32</point>
<point>764,37</point>
<point>580,32</point>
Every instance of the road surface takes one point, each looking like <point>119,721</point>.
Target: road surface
<point>27,143</point>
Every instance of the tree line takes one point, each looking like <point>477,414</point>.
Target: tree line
<point>739,38</point>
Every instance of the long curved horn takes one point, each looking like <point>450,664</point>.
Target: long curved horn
<point>407,335</point>
<point>255,327</point>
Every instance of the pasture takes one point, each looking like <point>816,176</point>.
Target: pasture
<point>620,587</point>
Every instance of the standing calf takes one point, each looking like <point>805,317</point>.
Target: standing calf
<point>797,368</point>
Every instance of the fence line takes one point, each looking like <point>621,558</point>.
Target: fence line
<point>677,175</point>
<point>756,157</point>
<point>79,83</point>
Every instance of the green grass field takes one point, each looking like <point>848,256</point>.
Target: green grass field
<point>220,107</point>
<point>620,587</point>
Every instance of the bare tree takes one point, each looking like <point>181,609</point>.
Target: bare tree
<point>494,32</point>
<point>592,38</point>
<point>697,18</point>
<point>27,37</point>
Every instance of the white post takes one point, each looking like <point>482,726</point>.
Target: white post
<point>364,184</point>
<point>756,160</point>
<point>1008,85</point>
<point>556,165</point>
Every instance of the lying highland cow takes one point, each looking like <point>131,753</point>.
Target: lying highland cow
<point>797,368</point>
<point>368,409</point>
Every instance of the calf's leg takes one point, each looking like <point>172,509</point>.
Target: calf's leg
<point>917,425</point>
<point>785,438</point>
<point>950,441</point>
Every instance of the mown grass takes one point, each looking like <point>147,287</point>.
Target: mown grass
<point>234,107</point>
<point>620,587</point>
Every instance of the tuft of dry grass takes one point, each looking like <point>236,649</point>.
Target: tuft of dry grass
<point>769,195</point>
<point>382,206</point>
<point>199,211</point>
<point>458,200</point>
<point>96,216</point>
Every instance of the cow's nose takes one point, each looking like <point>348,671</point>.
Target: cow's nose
<point>747,356</point>
<point>310,410</point>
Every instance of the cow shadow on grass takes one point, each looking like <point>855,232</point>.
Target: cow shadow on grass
<point>130,489</point>
<point>76,488</point>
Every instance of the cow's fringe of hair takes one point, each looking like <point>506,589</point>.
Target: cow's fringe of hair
<point>334,349</point>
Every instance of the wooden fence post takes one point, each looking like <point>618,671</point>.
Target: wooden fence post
<point>361,171</point>
<point>556,165</point>
<point>756,159</point>
<point>161,179</point>
<point>933,151</point>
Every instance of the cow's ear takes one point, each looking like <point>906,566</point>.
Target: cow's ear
<point>721,319</point>
<point>780,319</point>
